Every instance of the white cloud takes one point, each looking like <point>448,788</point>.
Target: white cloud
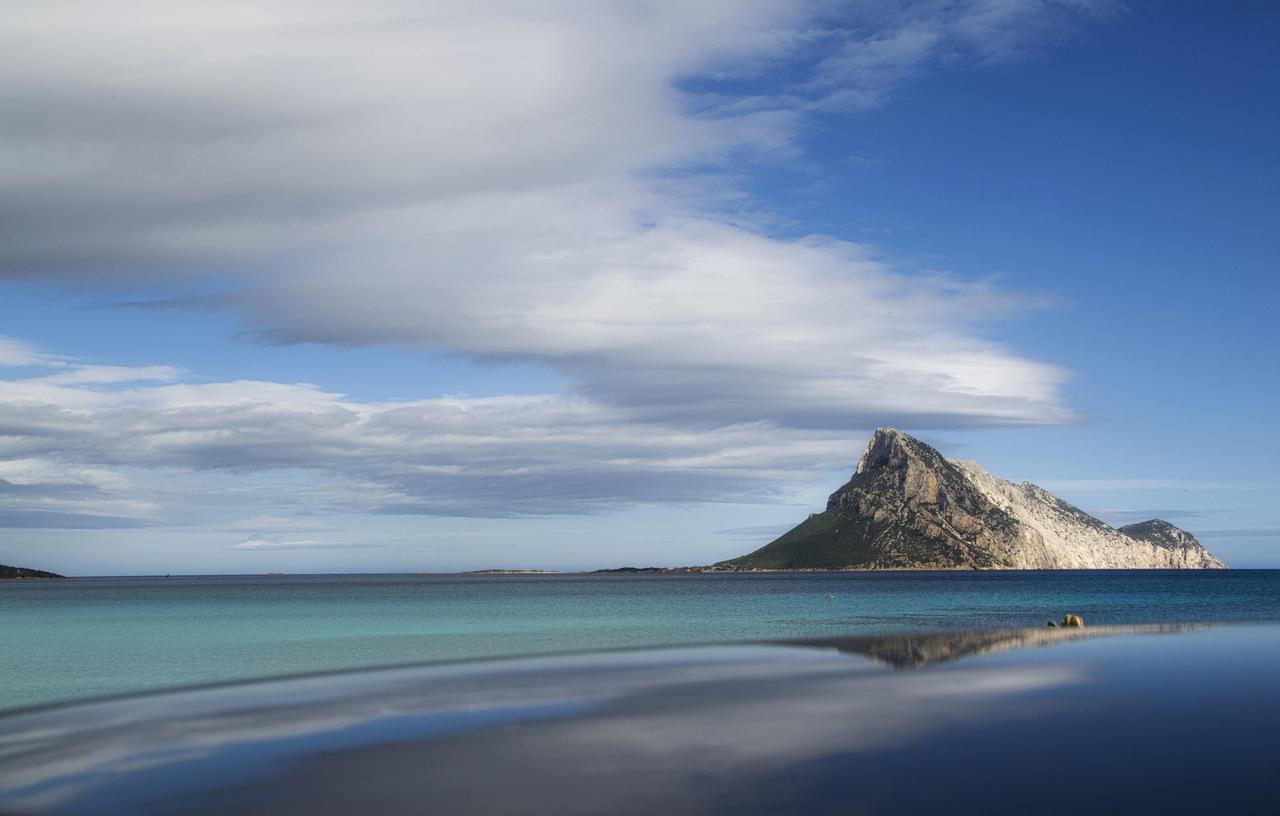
<point>270,543</point>
<point>503,180</point>
<point>48,491</point>
<point>108,375</point>
<point>18,354</point>
<point>73,443</point>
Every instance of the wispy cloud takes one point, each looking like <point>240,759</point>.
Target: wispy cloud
<point>16,353</point>
<point>110,375</point>
<point>49,491</point>
<point>494,456</point>
<point>263,543</point>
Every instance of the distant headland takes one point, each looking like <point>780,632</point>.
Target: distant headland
<point>8,573</point>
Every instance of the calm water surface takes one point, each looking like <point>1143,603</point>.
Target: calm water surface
<point>93,636</point>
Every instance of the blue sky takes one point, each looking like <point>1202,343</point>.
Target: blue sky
<point>421,286</point>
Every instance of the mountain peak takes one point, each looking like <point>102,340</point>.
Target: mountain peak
<point>908,507</point>
<point>887,446</point>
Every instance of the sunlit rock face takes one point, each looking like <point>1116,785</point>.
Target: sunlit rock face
<point>908,507</point>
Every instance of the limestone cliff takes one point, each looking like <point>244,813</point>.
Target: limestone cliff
<point>908,507</point>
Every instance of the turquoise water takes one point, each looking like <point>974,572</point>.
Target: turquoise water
<point>86,637</point>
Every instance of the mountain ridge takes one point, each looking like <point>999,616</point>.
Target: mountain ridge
<point>909,507</point>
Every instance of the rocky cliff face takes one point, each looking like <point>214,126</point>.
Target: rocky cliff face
<point>908,507</point>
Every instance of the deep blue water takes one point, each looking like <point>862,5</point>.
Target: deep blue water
<point>93,636</point>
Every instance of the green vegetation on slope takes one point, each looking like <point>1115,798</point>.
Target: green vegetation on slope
<point>843,539</point>
<point>7,572</point>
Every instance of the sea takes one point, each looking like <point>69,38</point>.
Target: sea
<point>89,637</point>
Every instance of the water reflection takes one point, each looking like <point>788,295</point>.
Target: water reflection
<point>916,650</point>
<point>718,729</point>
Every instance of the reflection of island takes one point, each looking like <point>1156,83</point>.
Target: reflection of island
<point>914,651</point>
<point>15,573</point>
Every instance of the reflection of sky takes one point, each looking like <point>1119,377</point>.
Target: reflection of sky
<point>164,773</point>
<point>673,730</point>
<point>67,756</point>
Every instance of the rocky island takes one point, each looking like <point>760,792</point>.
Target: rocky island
<point>908,507</point>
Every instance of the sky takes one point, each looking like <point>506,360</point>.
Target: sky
<point>431,286</point>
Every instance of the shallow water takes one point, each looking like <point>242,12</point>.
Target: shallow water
<point>86,637</point>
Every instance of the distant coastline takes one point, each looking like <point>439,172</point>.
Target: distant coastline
<point>718,569</point>
<point>8,573</point>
